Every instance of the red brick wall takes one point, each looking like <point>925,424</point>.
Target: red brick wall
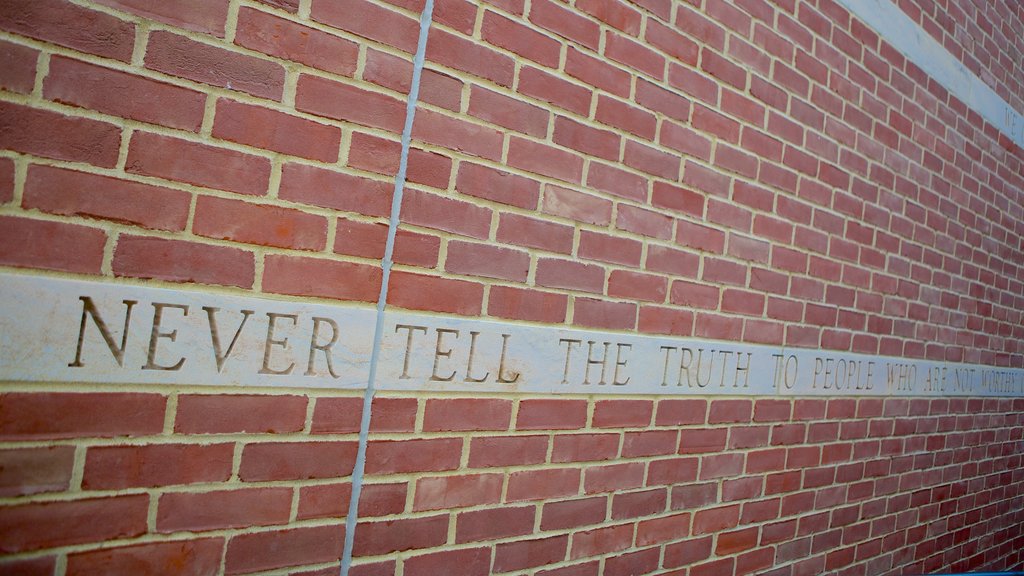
<point>765,172</point>
<point>983,35</point>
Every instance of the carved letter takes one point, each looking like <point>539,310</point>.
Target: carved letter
<point>89,309</point>
<point>215,335</point>
<point>664,369</point>
<point>502,378</point>
<point>568,354</point>
<point>325,348</point>
<point>591,361</point>
<point>156,334</point>
<point>270,343</point>
<point>619,362</point>
<point>438,354</point>
<point>408,346</point>
<point>469,363</point>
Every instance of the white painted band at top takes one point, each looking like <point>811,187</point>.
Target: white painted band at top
<point>56,330</point>
<point>893,25</point>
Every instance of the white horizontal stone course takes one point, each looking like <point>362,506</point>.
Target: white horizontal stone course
<point>892,24</point>
<point>57,330</point>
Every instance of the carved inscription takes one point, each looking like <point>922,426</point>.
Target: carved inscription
<point>110,333</point>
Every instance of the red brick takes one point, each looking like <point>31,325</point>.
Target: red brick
<point>376,538</point>
<point>457,134</point>
<point>349,103</point>
<point>199,164</point>
<point>661,530</point>
<point>471,562</point>
<point>468,56</point>
<point>94,32</point>
<point>649,443</point>
<point>601,541</point>
<point>52,135</point>
<point>188,556</point>
<point>383,156</point>
<point>494,523</point>
<point>604,314</point>
<point>694,295</point>
<point>634,54</point>
<point>511,35</point>
<point>584,447</point>
<point>508,112</point>
<point>576,205</point>
<point>296,460</point>
<point>716,519</point>
<point>465,414</point>
<point>511,556</point>
<point>586,139</point>
<point>533,233</point>
<point>417,455</point>
<point>672,471</point>
<point>332,500</point>
<point>570,274</point>
<point>673,412</point>
<point>320,277</point>
<point>772,410</point>
<point>415,291</point>
<point>290,41</point>
<point>182,261</point>
<point>545,160</point>
<point>644,222</point>
<point>197,15</point>
<point>694,495</point>
<point>622,413</point>
<point>553,89</point>
<point>6,180</point>
<point>542,484</point>
<point>180,56</point>
<point>272,130</point>
<point>447,492</point>
<point>551,414</point>
<point>621,115</point>
<point>507,451</point>
<point>90,86</point>
<point>17,67</point>
<point>340,415</point>
<point>661,320</point>
<point>48,416</point>
<point>71,193</point>
<point>613,477</point>
<point>41,566</point>
<point>117,467</point>
<point>369,21</point>
<point>55,524</point>
<point>687,552</point>
<point>517,304</point>
<point>702,440</point>
<point>227,219</point>
<point>651,160</point>
<point>597,72</point>
<point>261,551</point>
<point>638,504</point>
<point>446,214</point>
<point>197,512</point>
<point>28,243</point>
<point>729,411</point>
<point>35,470</point>
<point>496,185</point>
<point>487,260</point>
<point>566,23</point>
<point>626,284</point>
<point>368,239</point>
<point>336,190</point>
<point>700,237</point>
<point>610,249</point>
<point>228,414</point>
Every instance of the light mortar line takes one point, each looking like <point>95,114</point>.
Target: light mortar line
<point>359,470</point>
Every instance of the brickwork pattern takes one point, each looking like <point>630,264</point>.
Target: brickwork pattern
<point>982,35</point>
<point>769,172</point>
